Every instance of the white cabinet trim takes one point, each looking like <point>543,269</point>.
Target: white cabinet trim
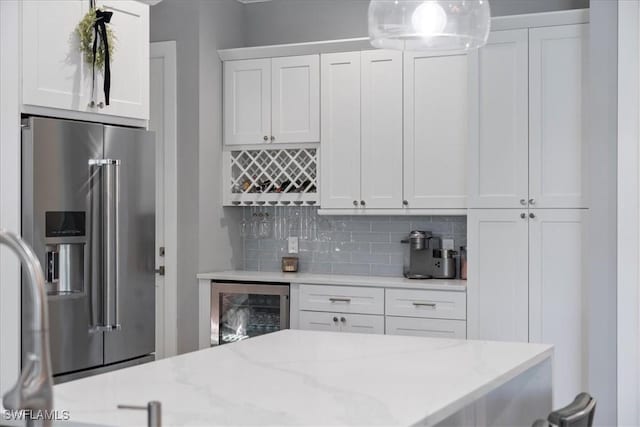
<point>530,20</point>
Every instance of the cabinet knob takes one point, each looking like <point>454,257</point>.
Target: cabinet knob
<point>266,138</point>
<point>523,202</point>
<point>523,215</point>
<point>91,104</point>
<point>355,203</point>
<point>532,201</point>
<point>362,203</point>
<point>532,215</point>
<point>100,104</point>
<point>273,138</point>
<point>335,319</point>
<point>405,203</point>
<point>343,320</point>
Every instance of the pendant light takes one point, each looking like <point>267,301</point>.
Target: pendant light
<point>429,25</point>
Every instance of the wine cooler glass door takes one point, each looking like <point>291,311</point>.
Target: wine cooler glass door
<point>241,311</point>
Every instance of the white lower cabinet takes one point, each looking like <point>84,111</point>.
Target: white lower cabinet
<point>435,328</point>
<point>344,299</point>
<point>318,321</point>
<point>497,244</point>
<point>526,284</point>
<point>556,296</point>
<point>362,323</point>
<point>426,303</point>
<point>375,310</point>
<point>341,322</point>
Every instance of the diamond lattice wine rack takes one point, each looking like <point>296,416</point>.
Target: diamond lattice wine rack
<point>271,176</point>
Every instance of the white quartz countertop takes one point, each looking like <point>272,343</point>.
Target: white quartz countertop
<point>305,378</point>
<point>337,279</point>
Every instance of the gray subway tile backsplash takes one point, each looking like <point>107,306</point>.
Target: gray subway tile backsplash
<point>363,245</point>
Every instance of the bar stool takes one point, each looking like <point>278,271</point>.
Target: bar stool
<point>578,413</point>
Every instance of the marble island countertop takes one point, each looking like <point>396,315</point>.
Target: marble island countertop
<point>308,378</point>
<point>337,279</point>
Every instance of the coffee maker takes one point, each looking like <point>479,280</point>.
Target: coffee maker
<point>425,258</point>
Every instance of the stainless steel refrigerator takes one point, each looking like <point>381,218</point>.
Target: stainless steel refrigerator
<point>88,210</point>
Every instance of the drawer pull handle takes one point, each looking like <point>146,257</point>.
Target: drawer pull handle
<point>340,299</point>
<point>425,304</point>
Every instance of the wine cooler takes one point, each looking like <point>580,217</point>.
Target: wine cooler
<point>241,310</point>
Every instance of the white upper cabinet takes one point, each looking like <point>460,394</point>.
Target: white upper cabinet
<point>497,297</point>
<point>527,129</point>
<point>557,78</point>
<point>381,146</point>
<point>129,96</point>
<point>499,140</point>
<point>436,130</point>
<point>54,71</point>
<point>340,110</point>
<point>272,100</point>
<point>55,75</point>
<point>247,101</point>
<point>361,156</point>
<point>556,289</point>
<point>295,99</point>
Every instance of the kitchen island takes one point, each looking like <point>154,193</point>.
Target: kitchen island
<point>308,378</point>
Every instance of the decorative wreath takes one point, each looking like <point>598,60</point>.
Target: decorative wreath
<point>86,31</point>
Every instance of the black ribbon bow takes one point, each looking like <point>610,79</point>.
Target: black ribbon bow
<point>102,19</point>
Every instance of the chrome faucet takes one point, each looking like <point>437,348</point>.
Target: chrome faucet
<point>34,389</point>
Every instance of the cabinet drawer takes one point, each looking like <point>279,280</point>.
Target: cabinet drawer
<point>431,304</point>
<point>362,323</point>
<point>417,327</point>
<point>342,322</point>
<point>343,299</point>
<point>318,321</point>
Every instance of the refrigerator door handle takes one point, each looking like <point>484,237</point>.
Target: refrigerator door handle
<point>111,187</point>
<point>104,298</point>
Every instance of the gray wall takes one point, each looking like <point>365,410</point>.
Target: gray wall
<point>291,21</point>
<point>601,305</point>
<point>199,28</point>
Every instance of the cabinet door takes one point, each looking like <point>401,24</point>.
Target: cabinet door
<point>557,73</point>
<point>295,99</point>
<point>556,295</point>
<point>435,328</point>
<point>499,138</point>
<point>435,130</point>
<point>362,323</point>
<point>381,147</point>
<point>498,299</point>
<point>129,95</point>
<point>53,70</point>
<point>318,321</point>
<point>340,149</point>
<point>247,101</point>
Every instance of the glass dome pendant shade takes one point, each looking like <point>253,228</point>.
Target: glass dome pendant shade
<point>429,25</point>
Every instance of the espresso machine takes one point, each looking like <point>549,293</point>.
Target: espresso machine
<point>425,258</point>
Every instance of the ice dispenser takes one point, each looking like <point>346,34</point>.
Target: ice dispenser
<point>65,239</point>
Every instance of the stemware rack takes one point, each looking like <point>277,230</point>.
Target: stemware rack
<point>272,177</point>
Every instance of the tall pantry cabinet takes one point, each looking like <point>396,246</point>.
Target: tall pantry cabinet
<point>527,196</point>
